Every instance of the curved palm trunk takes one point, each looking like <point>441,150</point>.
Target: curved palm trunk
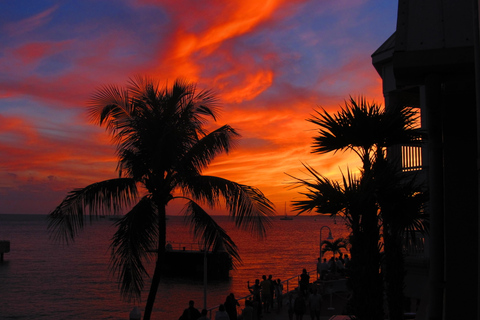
<point>162,228</point>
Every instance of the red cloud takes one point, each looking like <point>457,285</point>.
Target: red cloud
<point>267,89</point>
<point>30,23</point>
<point>32,53</point>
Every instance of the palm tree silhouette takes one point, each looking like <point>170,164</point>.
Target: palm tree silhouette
<point>366,129</point>
<point>353,201</point>
<point>334,246</point>
<point>163,146</point>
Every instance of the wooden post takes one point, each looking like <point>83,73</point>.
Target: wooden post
<point>4,248</point>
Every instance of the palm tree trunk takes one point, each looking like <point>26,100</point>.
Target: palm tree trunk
<point>394,276</point>
<point>365,280</point>
<point>158,265</point>
<point>153,291</point>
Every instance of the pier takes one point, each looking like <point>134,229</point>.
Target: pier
<point>334,302</point>
<point>334,294</point>
<point>186,260</point>
<point>4,248</point>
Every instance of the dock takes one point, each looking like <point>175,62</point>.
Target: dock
<point>4,248</point>
<point>327,312</point>
<point>190,263</point>
<point>334,295</point>
<point>333,305</point>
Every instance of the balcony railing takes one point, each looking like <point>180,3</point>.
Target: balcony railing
<point>411,158</point>
<point>417,247</point>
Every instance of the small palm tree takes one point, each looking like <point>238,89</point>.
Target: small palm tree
<point>334,246</point>
<point>163,146</point>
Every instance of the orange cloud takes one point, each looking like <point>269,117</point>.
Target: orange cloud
<point>271,64</point>
<point>253,85</point>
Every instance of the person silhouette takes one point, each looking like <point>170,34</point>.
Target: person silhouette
<point>304,282</point>
<point>279,293</point>
<point>191,313</point>
<point>221,314</point>
<point>266,291</point>
<point>299,306</point>
<point>257,301</point>
<point>231,306</point>
<point>203,315</point>
<point>315,303</point>
<point>248,311</point>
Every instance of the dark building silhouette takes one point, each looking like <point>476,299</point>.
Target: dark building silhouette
<point>432,62</point>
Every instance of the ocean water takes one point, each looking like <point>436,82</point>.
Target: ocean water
<point>41,279</point>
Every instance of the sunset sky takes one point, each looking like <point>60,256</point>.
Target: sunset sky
<point>272,63</point>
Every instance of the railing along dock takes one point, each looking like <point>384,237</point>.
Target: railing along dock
<point>286,283</point>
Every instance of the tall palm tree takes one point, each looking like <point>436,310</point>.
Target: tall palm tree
<point>163,146</point>
<point>366,129</point>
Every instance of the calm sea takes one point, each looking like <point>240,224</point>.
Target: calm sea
<point>40,279</point>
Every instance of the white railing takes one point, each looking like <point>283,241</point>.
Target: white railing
<point>411,158</point>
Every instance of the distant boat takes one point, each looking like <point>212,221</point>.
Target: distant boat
<point>286,217</point>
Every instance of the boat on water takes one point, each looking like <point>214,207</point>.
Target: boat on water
<point>286,217</point>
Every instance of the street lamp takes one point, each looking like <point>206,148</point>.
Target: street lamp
<point>328,238</point>
<point>205,273</point>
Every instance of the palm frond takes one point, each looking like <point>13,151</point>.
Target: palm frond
<point>201,154</point>
<point>399,126</point>
<point>136,235</point>
<point>144,88</point>
<point>323,195</point>
<point>206,103</point>
<point>106,197</point>
<point>331,136</point>
<point>110,106</point>
<point>353,127</point>
<point>364,127</point>
<point>347,200</point>
<point>248,206</point>
<point>210,234</point>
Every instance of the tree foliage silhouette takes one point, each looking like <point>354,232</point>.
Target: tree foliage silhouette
<point>162,146</point>
<point>379,202</point>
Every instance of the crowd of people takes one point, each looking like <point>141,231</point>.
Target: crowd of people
<point>226,311</point>
<point>301,303</point>
<point>333,267</point>
<point>267,296</point>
